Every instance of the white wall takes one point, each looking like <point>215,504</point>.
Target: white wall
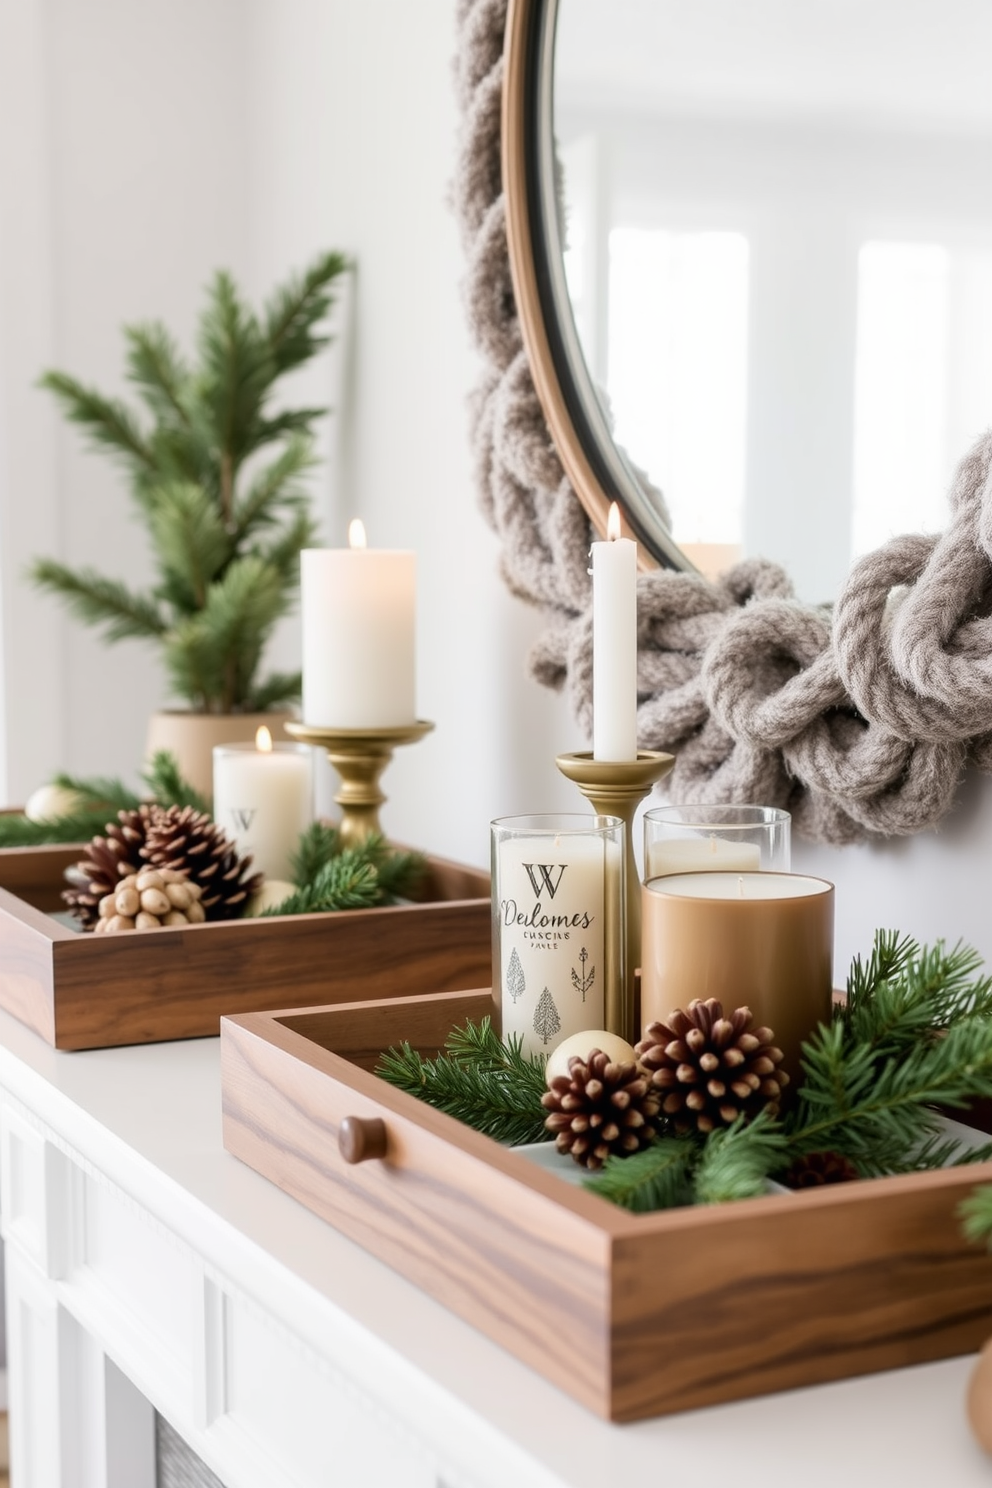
<point>278,127</point>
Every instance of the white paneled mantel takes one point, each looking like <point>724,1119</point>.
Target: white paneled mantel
<point>147,1269</point>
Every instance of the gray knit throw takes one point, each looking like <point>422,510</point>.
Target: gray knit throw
<point>858,720</point>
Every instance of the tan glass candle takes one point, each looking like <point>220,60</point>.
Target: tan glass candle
<point>757,940</point>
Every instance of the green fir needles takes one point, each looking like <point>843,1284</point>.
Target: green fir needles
<point>914,1036</point>
<point>489,1085</point>
<point>217,478</point>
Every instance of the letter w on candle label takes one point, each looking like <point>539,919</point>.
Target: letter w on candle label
<point>540,875</point>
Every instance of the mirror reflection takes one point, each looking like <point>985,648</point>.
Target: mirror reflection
<point>778,252</point>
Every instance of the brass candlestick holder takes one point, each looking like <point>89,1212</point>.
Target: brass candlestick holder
<point>359,756</point>
<point>615,788</point>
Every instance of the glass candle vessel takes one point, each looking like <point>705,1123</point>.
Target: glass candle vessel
<point>557,925</point>
<point>757,940</point>
<point>714,839</point>
<point>263,799</point>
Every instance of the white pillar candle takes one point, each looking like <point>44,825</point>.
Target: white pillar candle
<point>359,613</point>
<point>263,799</point>
<point>556,924</point>
<point>614,645</point>
<point>701,855</point>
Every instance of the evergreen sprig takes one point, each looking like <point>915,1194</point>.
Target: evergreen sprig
<point>478,1079</point>
<point>100,798</point>
<point>330,877</point>
<point>217,480</point>
<point>659,1177</point>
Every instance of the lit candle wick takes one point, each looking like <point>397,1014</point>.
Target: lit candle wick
<point>263,740</point>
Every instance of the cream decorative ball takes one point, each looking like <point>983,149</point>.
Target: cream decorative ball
<point>50,802</point>
<point>581,1044</point>
<point>272,892</point>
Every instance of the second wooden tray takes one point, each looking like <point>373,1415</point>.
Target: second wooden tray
<point>633,1314</point>
<point>85,991</point>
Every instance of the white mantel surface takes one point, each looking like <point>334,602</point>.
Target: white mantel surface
<point>289,1358</point>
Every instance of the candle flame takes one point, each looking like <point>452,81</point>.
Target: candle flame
<point>613,523</point>
<point>356,533</point>
<point>263,740</point>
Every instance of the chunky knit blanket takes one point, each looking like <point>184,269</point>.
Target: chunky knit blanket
<point>858,719</point>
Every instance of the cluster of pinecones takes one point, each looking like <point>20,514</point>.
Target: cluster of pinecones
<point>700,1070</point>
<point>174,857</point>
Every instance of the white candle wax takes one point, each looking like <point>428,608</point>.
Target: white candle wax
<point>614,646</point>
<point>701,855</point>
<point>556,896</point>
<point>263,799</point>
<point>359,612</point>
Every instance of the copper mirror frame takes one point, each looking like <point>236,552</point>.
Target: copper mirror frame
<point>597,469</point>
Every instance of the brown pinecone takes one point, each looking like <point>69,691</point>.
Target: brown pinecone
<point>107,860</point>
<point>189,842</point>
<point>600,1108</point>
<point>817,1168</point>
<point>709,1069</point>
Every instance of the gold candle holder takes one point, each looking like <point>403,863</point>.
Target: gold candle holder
<point>359,756</point>
<point>615,788</point>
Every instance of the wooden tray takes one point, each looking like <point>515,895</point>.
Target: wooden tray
<point>633,1315</point>
<point>84,991</point>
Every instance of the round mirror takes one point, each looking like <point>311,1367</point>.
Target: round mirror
<point>753,259</point>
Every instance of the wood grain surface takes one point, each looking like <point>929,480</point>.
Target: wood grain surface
<point>634,1315</point>
<point>82,991</point>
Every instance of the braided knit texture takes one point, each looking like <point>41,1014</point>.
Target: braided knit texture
<point>858,719</point>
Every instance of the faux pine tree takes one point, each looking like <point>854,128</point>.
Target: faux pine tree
<point>216,476</point>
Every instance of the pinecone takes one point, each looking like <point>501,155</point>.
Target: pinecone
<point>600,1108</point>
<point>148,900</point>
<point>187,841</point>
<point>817,1168</point>
<point>108,859</point>
<point>708,1069</point>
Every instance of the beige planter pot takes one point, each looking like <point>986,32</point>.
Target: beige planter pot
<point>191,737</point>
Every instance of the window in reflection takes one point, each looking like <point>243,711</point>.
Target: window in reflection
<point>676,376</point>
<point>923,381</point>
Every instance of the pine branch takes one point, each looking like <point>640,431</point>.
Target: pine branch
<point>736,1162</point>
<point>277,690</point>
<point>659,1177</point>
<point>276,488</point>
<point>108,422</point>
<point>907,992</point>
<point>192,544</point>
<point>478,1088</point>
<point>212,656</point>
<point>296,308</point>
<point>99,792</point>
<point>283,553</point>
<point>877,1114</point>
<point>238,371</point>
<point>347,882</point>
<point>976,1214</point>
<point>100,601</point>
<point>81,826</point>
<point>400,873</point>
<point>155,366</point>
<point>315,849</point>
<point>168,787</point>
<point>479,1045</point>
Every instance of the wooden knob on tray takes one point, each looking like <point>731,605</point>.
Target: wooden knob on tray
<point>361,1137</point>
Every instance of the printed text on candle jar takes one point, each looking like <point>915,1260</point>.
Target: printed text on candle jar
<point>537,920</point>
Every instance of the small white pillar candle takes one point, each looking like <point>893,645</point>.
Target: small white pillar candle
<point>614,645</point>
<point>359,620</point>
<point>263,799</point>
<point>701,855</point>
